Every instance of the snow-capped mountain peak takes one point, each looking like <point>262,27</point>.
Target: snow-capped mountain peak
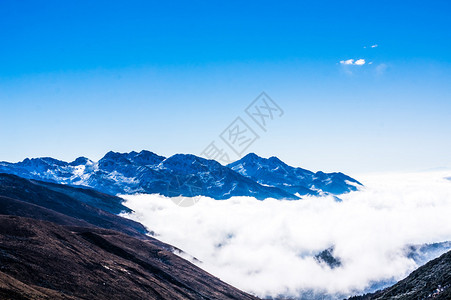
<point>184,174</point>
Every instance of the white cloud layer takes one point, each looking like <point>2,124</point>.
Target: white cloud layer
<point>267,247</point>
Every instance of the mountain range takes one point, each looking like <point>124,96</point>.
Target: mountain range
<point>184,175</point>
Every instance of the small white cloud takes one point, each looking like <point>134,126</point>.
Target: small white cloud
<point>374,46</point>
<point>359,62</point>
<point>347,62</point>
<point>370,63</point>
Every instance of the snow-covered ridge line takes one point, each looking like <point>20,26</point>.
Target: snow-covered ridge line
<point>184,175</point>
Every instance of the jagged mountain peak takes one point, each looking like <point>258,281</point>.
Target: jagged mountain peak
<point>145,157</point>
<point>275,159</point>
<point>254,159</point>
<point>111,155</point>
<point>274,172</point>
<point>146,153</point>
<point>189,163</point>
<point>251,157</point>
<point>42,160</point>
<point>81,161</point>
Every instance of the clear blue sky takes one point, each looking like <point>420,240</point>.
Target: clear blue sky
<point>82,78</point>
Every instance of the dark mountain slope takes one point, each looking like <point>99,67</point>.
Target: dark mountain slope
<point>109,203</point>
<point>42,260</point>
<point>13,289</point>
<point>16,207</point>
<point>64,206</point>
<point>431,281</point>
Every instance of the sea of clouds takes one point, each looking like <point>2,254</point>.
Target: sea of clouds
<point>268,247</point>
